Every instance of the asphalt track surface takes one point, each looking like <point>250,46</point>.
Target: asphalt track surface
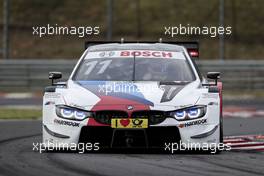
<point>18,158</point>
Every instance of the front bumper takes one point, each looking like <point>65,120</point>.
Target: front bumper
<point>202,130</point>
<point>107,137</point>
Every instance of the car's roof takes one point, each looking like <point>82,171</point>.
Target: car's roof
<point>136,46</point>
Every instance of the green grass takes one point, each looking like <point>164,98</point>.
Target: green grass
<point>248,93</point>
<point>11,113</point>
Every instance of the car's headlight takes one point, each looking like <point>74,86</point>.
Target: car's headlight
<point>72,113</point>
<point>189,113</point>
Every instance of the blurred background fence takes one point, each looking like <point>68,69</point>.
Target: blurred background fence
<point>23,75</point>
<point>137,20</point>
<point>241,53</point>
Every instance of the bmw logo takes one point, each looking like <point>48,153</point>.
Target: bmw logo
<point>130,107</point>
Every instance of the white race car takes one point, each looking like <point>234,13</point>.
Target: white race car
<point>134,95</point>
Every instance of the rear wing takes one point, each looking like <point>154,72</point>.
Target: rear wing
<point>192,47</point>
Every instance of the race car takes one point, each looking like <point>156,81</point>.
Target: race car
<point>134,95</point>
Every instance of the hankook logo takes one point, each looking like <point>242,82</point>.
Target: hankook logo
<point>63,122</point>
<point>197,122</point>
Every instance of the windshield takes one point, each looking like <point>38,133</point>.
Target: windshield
<point>134,69</point>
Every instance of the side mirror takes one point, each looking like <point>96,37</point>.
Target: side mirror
<point>213,75</point>
<point>54,75</point>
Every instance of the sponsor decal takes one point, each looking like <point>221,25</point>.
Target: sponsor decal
<point>210,95</point>
<point>157,54</point>
<point>107,54</point>
<point>52,95</point>
<point>136,53</point>
<point>137,122</point>
<point>63,122</point>
<point>213,103</point>
<point>129,123</point>
<point>188,124</point>
<point>50,103</point>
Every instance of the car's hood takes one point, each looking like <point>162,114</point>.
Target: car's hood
<point>143,93</point>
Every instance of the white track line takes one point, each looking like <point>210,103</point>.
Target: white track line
<point>248,148</point>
